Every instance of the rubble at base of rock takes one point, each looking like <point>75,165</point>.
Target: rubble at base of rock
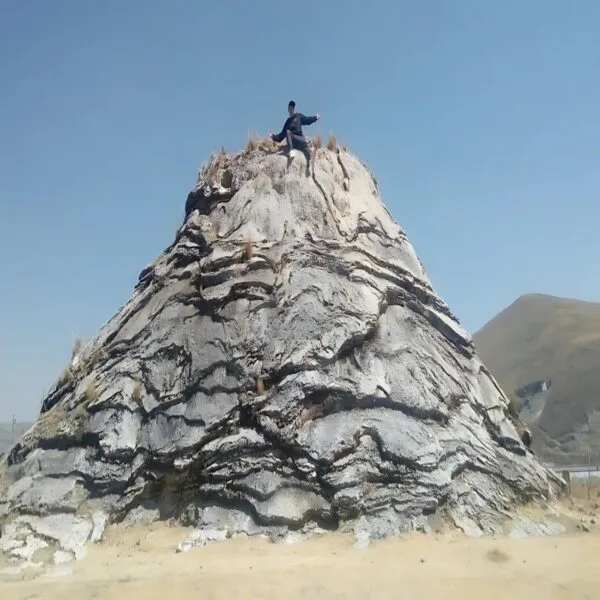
<point>314,382</point>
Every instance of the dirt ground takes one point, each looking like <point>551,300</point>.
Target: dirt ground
<point>140,564</point>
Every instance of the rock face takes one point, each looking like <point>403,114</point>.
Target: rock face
<point>284,365</point>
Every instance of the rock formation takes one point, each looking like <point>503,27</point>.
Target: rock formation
<point>284,365</point>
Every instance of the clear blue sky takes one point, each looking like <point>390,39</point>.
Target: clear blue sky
<point>480,121</point>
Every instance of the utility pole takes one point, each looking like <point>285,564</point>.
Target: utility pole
<point>14,422</point>
<point>589,457</point>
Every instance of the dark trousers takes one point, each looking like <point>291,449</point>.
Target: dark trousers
<point>298,142</point>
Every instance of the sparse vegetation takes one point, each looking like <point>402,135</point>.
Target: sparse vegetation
<point>99,355</point>
<point>80,368</point>
<point>66,376</point>
<point>260,386</point>
<point>251,145</point>
<point>332,143</point>
<point>317,142</point>
<point>266,144</point>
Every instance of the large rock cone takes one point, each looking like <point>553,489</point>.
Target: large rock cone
<point>284,364</point>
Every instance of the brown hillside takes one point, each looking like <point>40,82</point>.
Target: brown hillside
<point>544,337</point>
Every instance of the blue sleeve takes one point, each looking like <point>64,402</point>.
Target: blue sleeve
<point>307,120</point>
<point>277,137</point>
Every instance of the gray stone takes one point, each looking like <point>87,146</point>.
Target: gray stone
<point>201,537</point>
<point>528,528</point>
<point>99,523</point>
<point>70,532</point>
<point>317,381</point>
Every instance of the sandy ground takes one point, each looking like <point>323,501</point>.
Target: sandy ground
<point>141,564</point>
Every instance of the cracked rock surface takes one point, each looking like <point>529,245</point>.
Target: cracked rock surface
<point>284,365</point>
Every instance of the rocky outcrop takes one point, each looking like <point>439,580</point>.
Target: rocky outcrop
<point>9,433</point>
<point>532,399</point>
<point>284,365</point>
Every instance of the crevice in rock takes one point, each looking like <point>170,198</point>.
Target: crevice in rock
<point>207,308</point>
<point>328,207</point>
<point>344,171</point>
<point>335,401</point>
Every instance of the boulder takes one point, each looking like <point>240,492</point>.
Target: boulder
<point>284,366</point>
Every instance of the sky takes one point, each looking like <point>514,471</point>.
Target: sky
<point>479,120</point>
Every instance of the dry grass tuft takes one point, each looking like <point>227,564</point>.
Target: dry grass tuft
<point>76,347</point>
<point>332,143</point>
<point>268,144</point>
<point>255,142</point>
<point>317,141</point>
<point>251,145</point>
<point>91,391</point>
<point>497,556</point>
<point>99,355</point>
<point>248,249</point>
<point>136,394</point>
<point>66,376</point>
<point>4,477</point>
<point>260,386</point>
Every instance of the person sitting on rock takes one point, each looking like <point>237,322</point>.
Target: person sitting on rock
<point>292,131</point>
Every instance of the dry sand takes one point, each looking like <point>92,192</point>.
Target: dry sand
<point>140,564</point>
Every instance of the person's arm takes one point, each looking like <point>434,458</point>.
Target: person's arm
<point>278,137</point>
<point>309,120</point>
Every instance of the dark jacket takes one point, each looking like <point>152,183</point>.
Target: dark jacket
<point>294,124</point>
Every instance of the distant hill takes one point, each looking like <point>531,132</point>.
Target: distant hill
<point>541,341</point>
<point>6,434</point>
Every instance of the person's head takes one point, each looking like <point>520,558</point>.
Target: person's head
<point>291,108</point>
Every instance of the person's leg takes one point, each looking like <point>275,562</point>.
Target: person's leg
<point>302,145</point>
<point>290,142</point>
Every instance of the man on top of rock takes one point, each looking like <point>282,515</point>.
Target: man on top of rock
<point>292,131</point>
